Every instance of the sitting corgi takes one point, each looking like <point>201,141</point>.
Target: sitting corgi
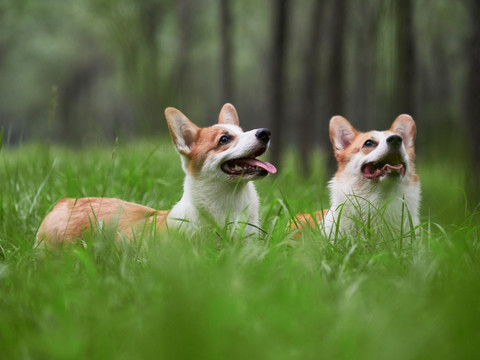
<point>219,162</point>
<point>375,184</point>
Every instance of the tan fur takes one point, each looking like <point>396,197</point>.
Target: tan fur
<point>357,146</point>
<point>207,144</point>
<point>303,220</point>
<point>71,219</point>
<point>190,133</point>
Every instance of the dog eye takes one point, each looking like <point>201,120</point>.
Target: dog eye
<point>225,139</point>
<point>369,143</point>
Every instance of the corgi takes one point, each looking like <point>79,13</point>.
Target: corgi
<point>375,184</point>
<point>219,163</point>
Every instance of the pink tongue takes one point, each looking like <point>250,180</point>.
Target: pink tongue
<point>261,164</point>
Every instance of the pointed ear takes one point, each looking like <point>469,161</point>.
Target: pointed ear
<point>228,115</point>
<point>183,131</point>
<point>405,127</point>
<point>342,133</point>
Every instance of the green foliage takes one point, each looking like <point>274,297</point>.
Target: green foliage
<point>210,297</point>
<point>140,56</point>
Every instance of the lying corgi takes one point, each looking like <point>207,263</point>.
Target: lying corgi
<point>375,185</point>
<point>218,161</point>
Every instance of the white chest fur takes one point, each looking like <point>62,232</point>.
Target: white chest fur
<point>385,209</point>
<point>204,203</point>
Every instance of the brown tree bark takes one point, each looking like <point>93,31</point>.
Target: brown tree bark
<point>185,24</point>
<point>335,77</point>
<point>335,102</point>
<point>404,100</point>
<point>226,52</point>
<point>472,110</point>
<point>277,75</point>
<point>74,91</point>
<point>365,32</point>
<point>311,66</point>
<point>150,15</point>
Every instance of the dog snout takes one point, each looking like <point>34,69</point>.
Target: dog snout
<point>394,141</point>
<point>263,135</point>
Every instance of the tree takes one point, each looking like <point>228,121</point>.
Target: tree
<point>473,82</point>
<point>75,92</point>
<point>363,30</point>
<point>226,52</point>
<point>335,98</point>
<point>131,29</point>
<point>311,67</point>
<point>150,15</point>
<point>335,78</point>
<point>405,74</point>
<point>277,71</point>
<point>185,27</point>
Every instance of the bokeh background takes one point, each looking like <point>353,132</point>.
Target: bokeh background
<point>82,72</point>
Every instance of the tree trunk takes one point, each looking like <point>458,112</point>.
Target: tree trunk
<point>73,94</point>
<point>311,66</point>
<point>405,78</point>
<point>277,75</point>
<point>185,25</point>
<point>336,69</point>
<point>365,47</point>
<point>226,52</point>
<point>473,83</point>
<point>150,15</point>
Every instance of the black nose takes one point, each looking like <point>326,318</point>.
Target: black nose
<point>394,141</point>
<point>263,135</point>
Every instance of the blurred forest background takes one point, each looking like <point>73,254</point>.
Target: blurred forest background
<point>78,72</point>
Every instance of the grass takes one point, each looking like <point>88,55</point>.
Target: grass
<point>211,297</point>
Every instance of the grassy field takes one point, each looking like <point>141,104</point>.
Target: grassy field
<point>212,297</point>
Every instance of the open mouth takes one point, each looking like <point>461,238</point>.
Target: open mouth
<point>249,166</point>
<point>391,166</point>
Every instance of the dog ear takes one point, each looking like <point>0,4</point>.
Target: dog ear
<point>342,133</point>
<point>405,127</point>
<point>183,132</point>
<point>228,115</point>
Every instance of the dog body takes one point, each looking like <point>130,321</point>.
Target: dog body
<point>71,219</point>
<point>219,163</point>
<point>376,185</point>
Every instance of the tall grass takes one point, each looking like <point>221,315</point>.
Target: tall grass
<point>211,297</point>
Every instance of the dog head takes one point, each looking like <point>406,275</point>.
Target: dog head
<point>375,156</point>
<point>222,151</point>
